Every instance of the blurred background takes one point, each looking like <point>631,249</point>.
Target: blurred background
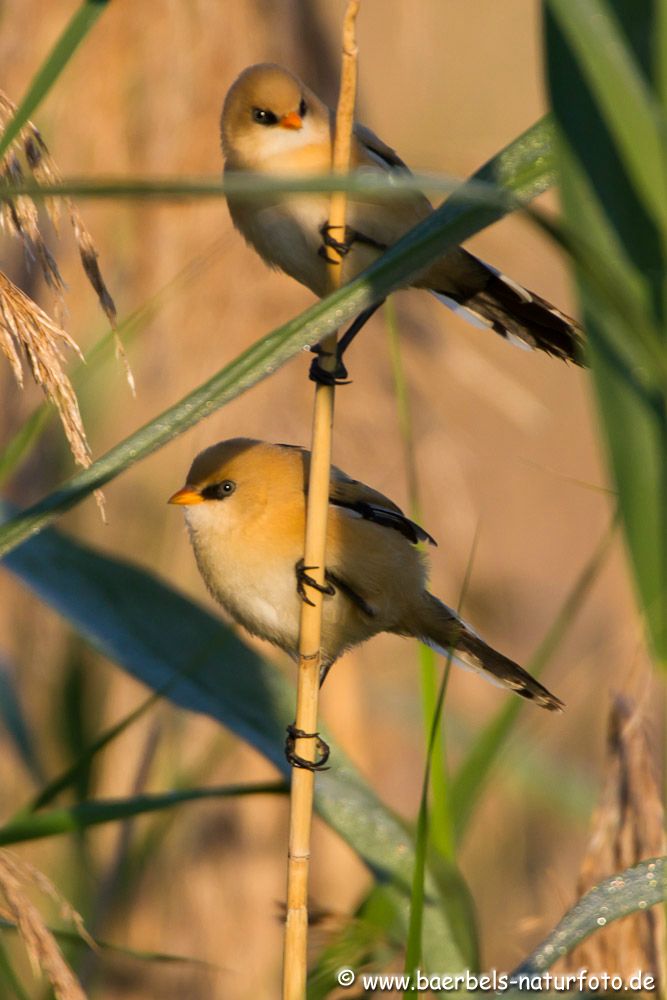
<point>506,450</point>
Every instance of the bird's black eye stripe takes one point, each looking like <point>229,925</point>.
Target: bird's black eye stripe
<point>218,491</point>
<point>264,117</point>
<point>303,107</point>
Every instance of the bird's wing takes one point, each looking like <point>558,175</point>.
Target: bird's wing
<point>370,148</point>
<point>373,506</point>
<point>382,222</point>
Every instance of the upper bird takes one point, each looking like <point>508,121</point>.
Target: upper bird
<point>245,506</point>
<point>273,124</point>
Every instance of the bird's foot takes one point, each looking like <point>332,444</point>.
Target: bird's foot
<point>316,373</point>
<point>303,579</point>
<point>329,242</point>
<point>293,758</point>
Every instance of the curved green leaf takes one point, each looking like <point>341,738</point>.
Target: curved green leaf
<point>605,74</point>
<point>631,891</point>
<point>98,811</point>
<point>525,168</point>
<point>621,92</point>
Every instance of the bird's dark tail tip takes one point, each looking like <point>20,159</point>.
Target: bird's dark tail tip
<point>474,652</point>
<point>442,629</point>
<point>516,312</point>
<point>522,317</point>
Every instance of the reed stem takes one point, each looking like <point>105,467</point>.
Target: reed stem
<point>317,504</point>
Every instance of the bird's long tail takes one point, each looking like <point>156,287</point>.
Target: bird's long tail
<point>443,630</point>
<point>487,297</point>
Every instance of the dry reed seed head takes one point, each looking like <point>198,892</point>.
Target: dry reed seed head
<point>626,827</point>
<point>65,908</point>
<point>43,951</point>
<point>44,170</point>
<point>25,328</point>
<point>89,259</point>
<point>20,217</point>
<point>23,325</point>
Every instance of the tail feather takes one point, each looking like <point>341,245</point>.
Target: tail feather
<point>444,631</point>
<point>518,315</point>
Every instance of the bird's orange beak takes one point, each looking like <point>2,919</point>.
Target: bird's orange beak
<point>186,496</point>
<point>292,120</point>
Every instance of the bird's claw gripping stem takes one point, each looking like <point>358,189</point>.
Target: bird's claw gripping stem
<point>293,758</point>
<point>303,579</point>
<point>342,247</point>
<point>339,375</point>
<point>316,373</point>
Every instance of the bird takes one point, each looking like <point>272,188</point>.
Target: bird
<point>273,125</point>
<point>245,509</point>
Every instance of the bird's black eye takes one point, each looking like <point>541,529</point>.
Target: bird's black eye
<point>218,491</point>
<point>264,117</point>
<point>303,107</point>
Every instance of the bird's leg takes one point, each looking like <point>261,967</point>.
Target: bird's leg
<point>337,377</point>
<point>293,734</point>
<point>293,758</point>
<point>303,578</point>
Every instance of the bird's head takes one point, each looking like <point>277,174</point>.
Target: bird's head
<point>214,475</point>
<point>269,113</point>
<point>232,483</point>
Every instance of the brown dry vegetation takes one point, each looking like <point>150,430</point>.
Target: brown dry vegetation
<point>506,442</point>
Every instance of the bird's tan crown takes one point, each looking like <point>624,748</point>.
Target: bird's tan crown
<point>258,465</point>
<point>215,463</point>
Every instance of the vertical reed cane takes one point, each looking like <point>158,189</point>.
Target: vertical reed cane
<point>301,800</point>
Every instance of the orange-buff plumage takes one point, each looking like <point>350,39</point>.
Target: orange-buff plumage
<point>245,511</point>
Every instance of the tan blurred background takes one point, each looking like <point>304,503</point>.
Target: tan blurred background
<point>506,445</point>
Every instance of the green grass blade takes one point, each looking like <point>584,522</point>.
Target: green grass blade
<point>70,776</point>
<point>525,168</point>
<point>76,30</point>
<point>632,890</point>
<point>162,638</point>
<point>605,194</point>
<point>621,92</point>
<point>455,898</point>
<point>454,895</point>
<point>442,829</point>
<point>473,773</point>
<point>55,822</point>
<point>413,947</point>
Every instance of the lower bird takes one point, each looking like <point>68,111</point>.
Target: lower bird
<point>245,506</point>
<point>273,125</point>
